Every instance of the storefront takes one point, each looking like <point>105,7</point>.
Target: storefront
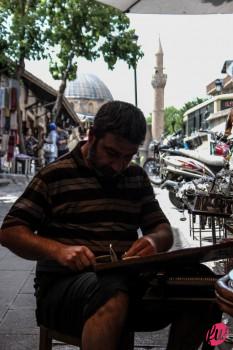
<point>36,100</point>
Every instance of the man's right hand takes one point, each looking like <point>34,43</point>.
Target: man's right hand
<point>23,242</point>
<point>75,257</point>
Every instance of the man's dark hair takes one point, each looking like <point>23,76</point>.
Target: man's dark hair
<point>122,119</point>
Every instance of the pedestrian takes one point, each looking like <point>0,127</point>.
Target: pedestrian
<point>31,143</point>
<point>50,145</point>
<point>72,212</point>
<point>62,141</point>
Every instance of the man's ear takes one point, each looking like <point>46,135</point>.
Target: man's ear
<point>91,135</point>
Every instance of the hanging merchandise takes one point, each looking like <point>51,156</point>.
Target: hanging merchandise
<point>14,83</point>
<point>7,123</point>
<point>2,93</point>
<point>4,98</point>
<point>13,121</point>
<point>2,119</point>
<point>11,146</point>
<point>4,143</point>
<point>12,99</point>
<point>7,112</point>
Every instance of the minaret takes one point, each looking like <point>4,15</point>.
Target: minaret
<point>158,82</point>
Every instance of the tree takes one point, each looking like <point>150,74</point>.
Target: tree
<point>21,37</point>
<point>149,119</point>
<point>86,28</point>
<point>173,117</point>
<point>191,104</point>
<point>34,29</point>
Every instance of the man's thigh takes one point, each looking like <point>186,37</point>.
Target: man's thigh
<point>65,303</point>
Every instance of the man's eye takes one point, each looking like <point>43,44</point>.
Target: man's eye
<point>112,154</point>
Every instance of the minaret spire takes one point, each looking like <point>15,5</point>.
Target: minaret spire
<point>158,82</point>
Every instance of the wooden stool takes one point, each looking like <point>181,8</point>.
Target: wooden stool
<point>47,335</point>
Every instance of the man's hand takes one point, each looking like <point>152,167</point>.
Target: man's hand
<point>144,246</point>
<point>160,239</point>
<point>76,257</point>
<point>23,242</point>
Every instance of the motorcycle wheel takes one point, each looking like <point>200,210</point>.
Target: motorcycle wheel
<point>177,202</point>
<point>152,169</point>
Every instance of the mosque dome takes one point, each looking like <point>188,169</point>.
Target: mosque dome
<point>88,86</point>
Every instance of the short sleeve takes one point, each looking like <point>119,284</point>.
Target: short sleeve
<point>151,213</point>
<point>32,208</point>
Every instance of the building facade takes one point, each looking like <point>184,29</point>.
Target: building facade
<point>212,113</point>
<point>36,100</point>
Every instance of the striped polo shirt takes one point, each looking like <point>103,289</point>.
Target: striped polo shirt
<point>68,202</point>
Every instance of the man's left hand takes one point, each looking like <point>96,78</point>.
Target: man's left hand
<point>144,246</point>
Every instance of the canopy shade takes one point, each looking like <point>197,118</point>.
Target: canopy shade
<point>178,7</point>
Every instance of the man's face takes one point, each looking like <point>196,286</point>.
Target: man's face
<point>111,154</point>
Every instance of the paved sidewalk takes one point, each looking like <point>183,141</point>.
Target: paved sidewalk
<point>18,330</point>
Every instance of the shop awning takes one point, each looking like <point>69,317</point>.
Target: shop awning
<point>189,7</point>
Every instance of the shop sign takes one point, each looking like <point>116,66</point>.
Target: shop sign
<point>226,104</point>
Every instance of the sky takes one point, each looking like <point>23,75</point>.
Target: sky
<point>195,49</point>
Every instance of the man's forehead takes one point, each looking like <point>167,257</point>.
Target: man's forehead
<point>120,143</point>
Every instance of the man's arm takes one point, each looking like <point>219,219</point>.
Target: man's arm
<point>23,242</point>
<point>159,240</point>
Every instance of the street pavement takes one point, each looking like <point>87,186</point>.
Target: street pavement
<point>18,329</point>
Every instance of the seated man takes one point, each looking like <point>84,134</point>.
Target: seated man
<point>69,215</point>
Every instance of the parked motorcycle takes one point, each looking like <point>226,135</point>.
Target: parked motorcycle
<point>173,166</point>
<point>212,189</point>
<point>152,166</point>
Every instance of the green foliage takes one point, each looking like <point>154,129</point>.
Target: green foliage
<point>149,119</point>
<point>86,28</point>
<point>67,30</point>
<point>21,31</point>
<point>192,104</point>
<point>174,117</point>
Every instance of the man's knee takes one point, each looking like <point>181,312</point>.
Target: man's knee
<point>117,304</point>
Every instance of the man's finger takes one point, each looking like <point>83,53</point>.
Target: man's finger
<point>85,260</point>
<point>136,248</point>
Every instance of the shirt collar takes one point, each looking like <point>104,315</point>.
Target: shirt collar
<point>77,154</point>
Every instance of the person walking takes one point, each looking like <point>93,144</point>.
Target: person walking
<point>50,145</point>
<point>31,143</point>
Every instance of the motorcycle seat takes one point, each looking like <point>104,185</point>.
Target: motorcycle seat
<point>209,159</point>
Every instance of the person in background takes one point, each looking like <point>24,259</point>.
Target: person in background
<point>81,207</point>
<point>50,145</point>
<point>62,141</point>
<point>31,143</point>
<point>229,123</point>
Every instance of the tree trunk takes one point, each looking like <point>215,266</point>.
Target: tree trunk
<point>19,72</point>
<point>22,149</point>
<point>58,104</point>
